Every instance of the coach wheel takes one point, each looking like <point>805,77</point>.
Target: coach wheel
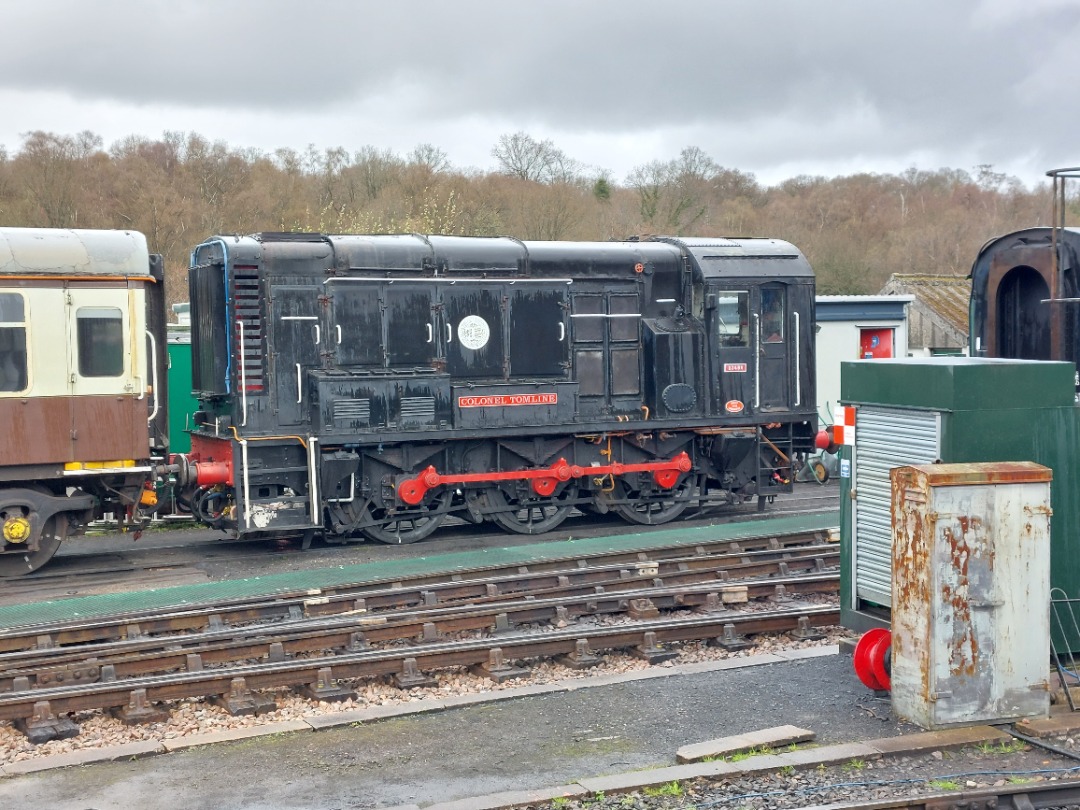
<point>18,561</point>
<point>407,527</point>
<point>652,507</point>
<point>530,514</point>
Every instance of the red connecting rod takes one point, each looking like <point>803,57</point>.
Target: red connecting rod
<point>544,479</point>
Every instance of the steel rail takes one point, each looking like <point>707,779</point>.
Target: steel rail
<point>417,590</point>
<point>42,709</point>
<point>1006,797</point>
<point>350,631</point>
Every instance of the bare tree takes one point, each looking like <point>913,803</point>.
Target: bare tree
<point>430,157</point>
<point>522,156</point>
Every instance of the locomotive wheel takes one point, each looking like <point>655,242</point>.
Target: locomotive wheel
<point>652,508</point>
<point>17,563</point>
<point>530,515</point>
<point>409,527</point>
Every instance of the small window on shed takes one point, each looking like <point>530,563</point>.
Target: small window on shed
<point>12,342</point>
<point>100,341</point>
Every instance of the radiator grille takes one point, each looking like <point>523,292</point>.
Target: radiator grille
<point>246,310</point>
<point>418,409</point>
<point>352,410</point>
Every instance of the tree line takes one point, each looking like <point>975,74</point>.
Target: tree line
<point>856,230</point>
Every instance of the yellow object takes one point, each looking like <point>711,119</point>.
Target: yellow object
<point>16,530</point>
<point>148,498</point>
<point>99,465</point>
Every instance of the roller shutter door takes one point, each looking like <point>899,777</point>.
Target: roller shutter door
<point>884,438</point>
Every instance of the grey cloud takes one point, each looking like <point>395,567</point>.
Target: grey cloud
<point>916,76</point>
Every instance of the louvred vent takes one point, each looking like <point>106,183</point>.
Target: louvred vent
<point>246,310</point>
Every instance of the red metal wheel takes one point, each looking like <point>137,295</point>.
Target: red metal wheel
<point>869,659</point>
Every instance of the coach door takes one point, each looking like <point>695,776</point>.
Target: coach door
<point>107,376</point>
<point>294,345</point>
<point>773,337</point>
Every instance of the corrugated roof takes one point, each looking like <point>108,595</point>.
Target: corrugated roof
<point>947,296</point>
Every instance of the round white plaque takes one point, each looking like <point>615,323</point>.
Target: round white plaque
<point>473,332</point>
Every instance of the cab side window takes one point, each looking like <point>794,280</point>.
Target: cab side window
<point>12,342</point>
<point>733,318</point>
<point>100,341</point>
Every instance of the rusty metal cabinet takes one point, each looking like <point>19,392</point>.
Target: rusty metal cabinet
<point>970,592</point>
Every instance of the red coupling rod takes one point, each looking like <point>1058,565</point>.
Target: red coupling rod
<point>545,479</point>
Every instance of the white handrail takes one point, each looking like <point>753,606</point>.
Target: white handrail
<point>153,375</point>
<point>243,374</point>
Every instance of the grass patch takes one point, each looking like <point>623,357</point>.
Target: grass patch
<point>753,752</point>
<point>670,789</point>
<point>943,784</point>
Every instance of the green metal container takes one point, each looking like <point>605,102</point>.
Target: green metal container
<point>181,403</point>
<point>950,410</point>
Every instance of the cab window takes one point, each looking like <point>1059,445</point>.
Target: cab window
<point>772,314</point>
<point>732,318</point>
<point>100,341</point>
<point>12,342</point>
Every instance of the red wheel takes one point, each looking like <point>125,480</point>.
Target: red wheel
<point>870,659</point>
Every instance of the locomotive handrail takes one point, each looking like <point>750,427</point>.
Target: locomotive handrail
<point>153,376</point>
<point>299,385</point>
<point>798,369</point>
<point>243,374</point>
<point>757,359</point>
<point>445,280</point>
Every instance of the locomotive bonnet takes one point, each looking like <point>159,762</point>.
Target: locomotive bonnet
<point>379,385</point>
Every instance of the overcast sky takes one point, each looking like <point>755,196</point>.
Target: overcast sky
<point>773,87</point>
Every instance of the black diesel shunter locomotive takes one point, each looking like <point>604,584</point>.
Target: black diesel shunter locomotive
<point>377,385</point>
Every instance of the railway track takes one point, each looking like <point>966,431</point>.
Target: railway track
<point>490,620</point>
<point>179,556</point>
<point>1065,794</point>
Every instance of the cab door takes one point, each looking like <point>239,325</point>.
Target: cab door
<point>729,322</point>
<point>773,335</point>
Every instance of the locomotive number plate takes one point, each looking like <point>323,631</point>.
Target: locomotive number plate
<point>504,400</point>
<point>730,367</point>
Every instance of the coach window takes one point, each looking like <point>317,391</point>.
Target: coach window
<point>12,342</point>
<point>100,336</point>
<point>733,318</point>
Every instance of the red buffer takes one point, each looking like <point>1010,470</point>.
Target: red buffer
<point>873,659</point>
